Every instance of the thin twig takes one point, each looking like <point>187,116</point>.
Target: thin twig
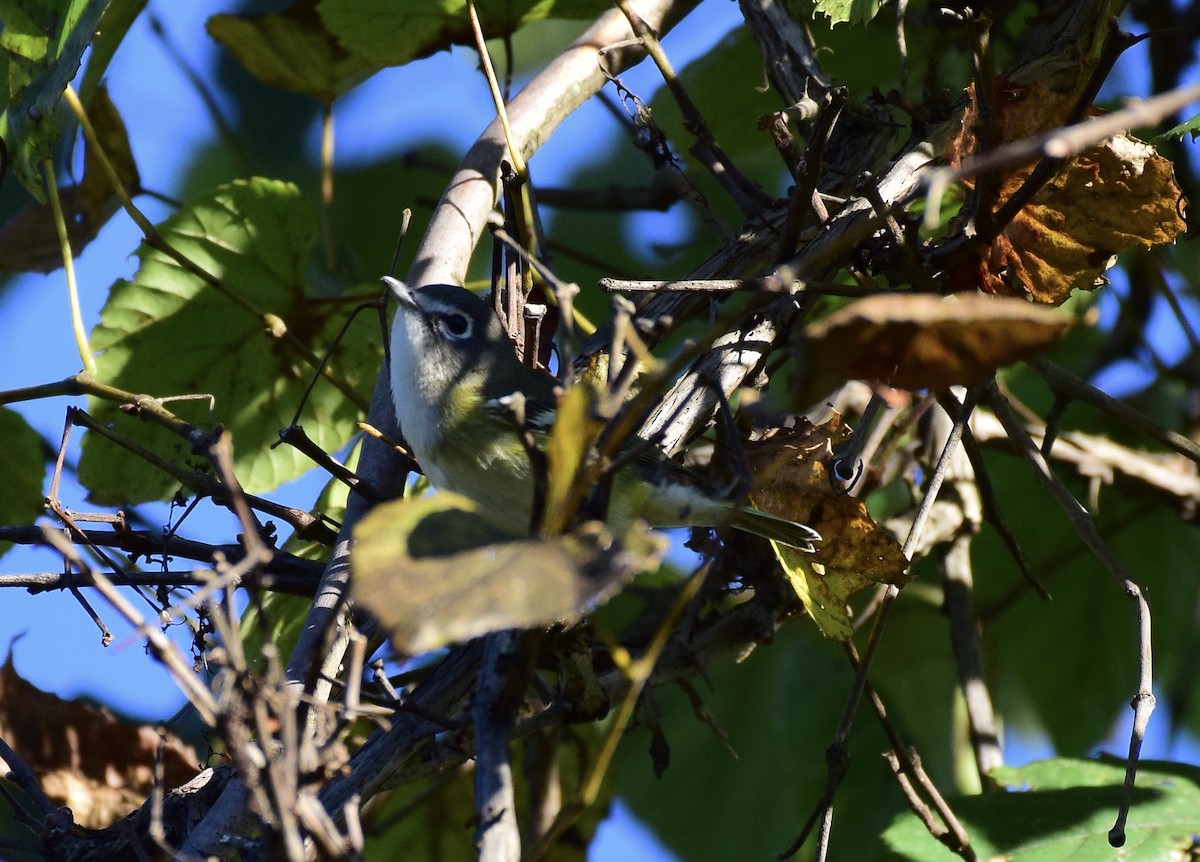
<point>744,192</point>
<point>953,835</point>
<point>160,646</point>
<point>805,198</point>
<point>1085,528</point>
<point>835,754</point>
<point>1063,381</point>
<point>767,284</point>
<point>296,437</point>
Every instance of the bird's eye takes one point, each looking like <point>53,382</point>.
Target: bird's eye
<point>457,324</point>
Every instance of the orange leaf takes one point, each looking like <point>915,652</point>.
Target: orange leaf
<point>86,758</point>
<point>1110,198</point>
<point>854,551</point>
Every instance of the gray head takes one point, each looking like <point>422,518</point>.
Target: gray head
<point>442,336</point>
<point>443,328</point>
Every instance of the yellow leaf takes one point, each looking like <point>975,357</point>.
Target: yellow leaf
<point>574,432</point>
<point>854,551</point>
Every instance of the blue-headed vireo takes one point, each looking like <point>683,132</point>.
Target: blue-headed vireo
<point>453,369</point>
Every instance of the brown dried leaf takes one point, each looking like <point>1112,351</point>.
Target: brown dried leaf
<point>86,758</point>
<point>1112,197</point>
<point>854,552</point>
<point>921,341</point>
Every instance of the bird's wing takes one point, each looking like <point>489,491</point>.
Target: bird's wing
<point>538,416</point>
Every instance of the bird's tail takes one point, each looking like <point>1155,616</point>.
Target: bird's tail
<point>770,526</point>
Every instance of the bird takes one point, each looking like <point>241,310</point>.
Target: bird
<point>454,374</point>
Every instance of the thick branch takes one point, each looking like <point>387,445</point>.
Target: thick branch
<point>460,218</point>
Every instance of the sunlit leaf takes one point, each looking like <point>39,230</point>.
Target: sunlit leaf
<point>1063,809</point>
<point>1190,127</point>
<point>40,47</point>
<point>575,429</point>
<point>1112,197</point>
<point>851,11</point>
<point>435,571</point>
<point>291,50</point>
<point>392,34</point>
<point>921,341</point>
<point>167,333</point>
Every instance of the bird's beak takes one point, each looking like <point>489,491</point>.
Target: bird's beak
<point>401,291</point>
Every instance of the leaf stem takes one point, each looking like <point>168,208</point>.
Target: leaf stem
<point>274,324</point>
<point>64,241</point>
<point>327,188</point>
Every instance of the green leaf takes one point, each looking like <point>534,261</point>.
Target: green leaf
<point>23,465</point>
<point>386,33</point>
<point>822,591</point>
<point>291,50</point>
<point>851,11</point>
<point>43,43</point>
<point>169,333</point>
<point>29,240</point>
<point>779,708</point>
<point>1187,127</point>
<point>1063,809</point>
<point>435,571</point>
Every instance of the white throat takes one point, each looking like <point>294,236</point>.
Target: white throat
<point>416,403</point>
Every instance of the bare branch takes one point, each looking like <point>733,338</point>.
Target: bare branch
<point>1085,528</point>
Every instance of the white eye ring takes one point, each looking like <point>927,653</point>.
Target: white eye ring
<point>456,324</point>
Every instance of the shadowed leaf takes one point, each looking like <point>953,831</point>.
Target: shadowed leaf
<point>435,571</point>
<point>29,240</point>
<point>921,341</point>
<point>291,50</point>
<point>23,465</point>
